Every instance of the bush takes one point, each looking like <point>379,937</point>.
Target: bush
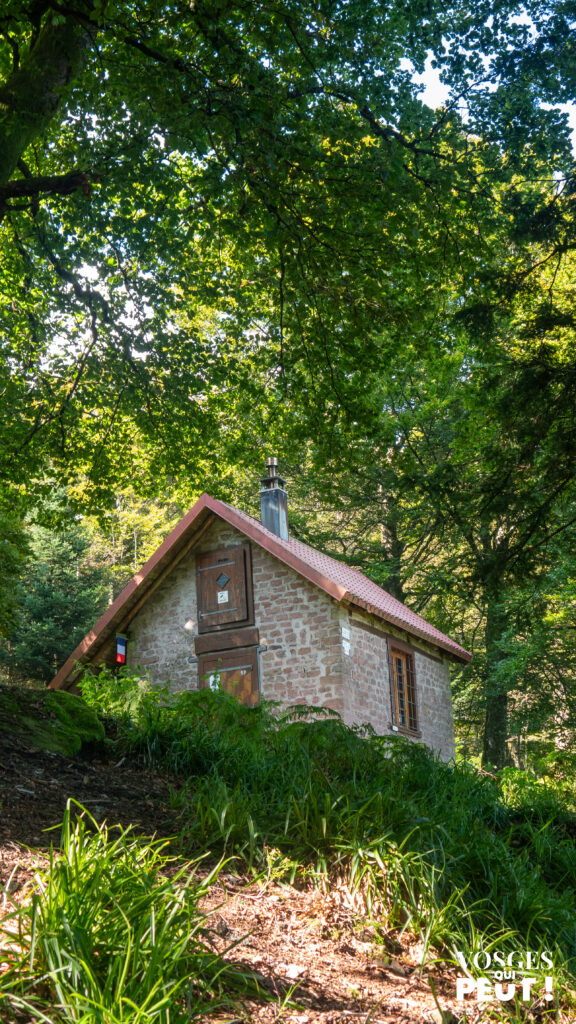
<point>124,694</point>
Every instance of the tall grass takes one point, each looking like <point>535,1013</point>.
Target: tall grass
<point>456,857</point>
<point>110,938</point>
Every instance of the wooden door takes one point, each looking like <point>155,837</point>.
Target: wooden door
<point>233,671</point>
<point>224,588</point>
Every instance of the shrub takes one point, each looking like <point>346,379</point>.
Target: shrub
<point>124,694</point>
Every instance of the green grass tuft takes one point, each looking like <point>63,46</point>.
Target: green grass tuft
<point>113,934</point>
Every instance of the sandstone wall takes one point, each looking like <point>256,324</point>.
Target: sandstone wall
<point>312,650</point>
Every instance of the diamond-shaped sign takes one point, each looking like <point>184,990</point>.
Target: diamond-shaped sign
<point>222,580</point>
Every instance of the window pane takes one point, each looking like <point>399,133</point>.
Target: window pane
<point>400,690</point>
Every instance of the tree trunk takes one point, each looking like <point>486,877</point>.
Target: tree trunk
<point>495,751</point>
<point>395,550</point>
<point>32,94</point>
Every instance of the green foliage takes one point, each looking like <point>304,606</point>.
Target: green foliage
<point>233,219</point>
<point>129,530</point>
<point>114,934</point>
<point>13,552</point>
<point>60,594</point>
<point>57,721</point>
<point>124,694</point>
<point>458,497</point>
<point>434,848</point>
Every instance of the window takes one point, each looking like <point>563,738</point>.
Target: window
<point>403,688</point>
<point>233,671</point>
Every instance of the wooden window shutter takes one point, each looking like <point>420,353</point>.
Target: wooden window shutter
<point>224,588</point>
<point>236,672</point>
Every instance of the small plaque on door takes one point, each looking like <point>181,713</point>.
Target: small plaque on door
<point>222,597</point>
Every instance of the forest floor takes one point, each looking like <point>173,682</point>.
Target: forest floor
<point>306,946</point>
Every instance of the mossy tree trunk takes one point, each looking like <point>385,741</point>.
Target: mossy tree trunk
<point>39,83</point>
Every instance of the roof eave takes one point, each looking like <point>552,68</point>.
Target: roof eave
<point>182,538</point>
<point>445,644</point>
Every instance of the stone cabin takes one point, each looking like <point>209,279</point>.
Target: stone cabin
<point>227,600</point>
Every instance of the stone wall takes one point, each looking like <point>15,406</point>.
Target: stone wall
<point>367,683</point>
<point>366,674</point>
<point>160,636</point>
<point>435,704</point>
<point>299,629</point>
<point>312,650</point>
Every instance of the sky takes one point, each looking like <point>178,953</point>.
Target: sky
<point>434,94</point>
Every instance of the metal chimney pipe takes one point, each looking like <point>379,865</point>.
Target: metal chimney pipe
<point>274,501</point>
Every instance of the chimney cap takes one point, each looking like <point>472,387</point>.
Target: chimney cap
<point>272,480</point>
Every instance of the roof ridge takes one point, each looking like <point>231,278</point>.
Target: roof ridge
<point>339,580</point>
<point>398,612</point>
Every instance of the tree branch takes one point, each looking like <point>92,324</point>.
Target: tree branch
<point>57,184</point>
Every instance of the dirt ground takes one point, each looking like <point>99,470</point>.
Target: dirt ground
<point>306,947</point>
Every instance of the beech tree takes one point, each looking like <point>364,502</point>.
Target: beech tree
<point>224,224</point>
<point>268,162</point>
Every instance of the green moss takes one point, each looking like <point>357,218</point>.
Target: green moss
<point>75,716</point>
<point>56,721</point>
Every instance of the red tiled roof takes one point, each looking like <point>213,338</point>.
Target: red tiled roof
<point>357,588</point>
<point>337,579</point>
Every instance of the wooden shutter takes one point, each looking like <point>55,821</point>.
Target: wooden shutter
<point>224,588</point>
<point>233,671</point>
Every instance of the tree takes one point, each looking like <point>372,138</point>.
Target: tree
<point>123,537</point>
<point>463,490</point>
<point>156,159</point>
<point>218,232</point>
<point>13,551</point>
<point>60,595</point>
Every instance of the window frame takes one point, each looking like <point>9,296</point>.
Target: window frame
<point>403,689</point>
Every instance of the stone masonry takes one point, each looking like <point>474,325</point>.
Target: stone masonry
<point>312,651</point>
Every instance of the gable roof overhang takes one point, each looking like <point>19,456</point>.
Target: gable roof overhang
<point>188,533</point>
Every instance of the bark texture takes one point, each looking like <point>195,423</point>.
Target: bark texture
<point>496,725</point>
<point>34,92</point>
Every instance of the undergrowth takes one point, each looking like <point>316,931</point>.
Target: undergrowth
<point>114,934</point>
<point>466,862</point>
<point>462,859</point>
